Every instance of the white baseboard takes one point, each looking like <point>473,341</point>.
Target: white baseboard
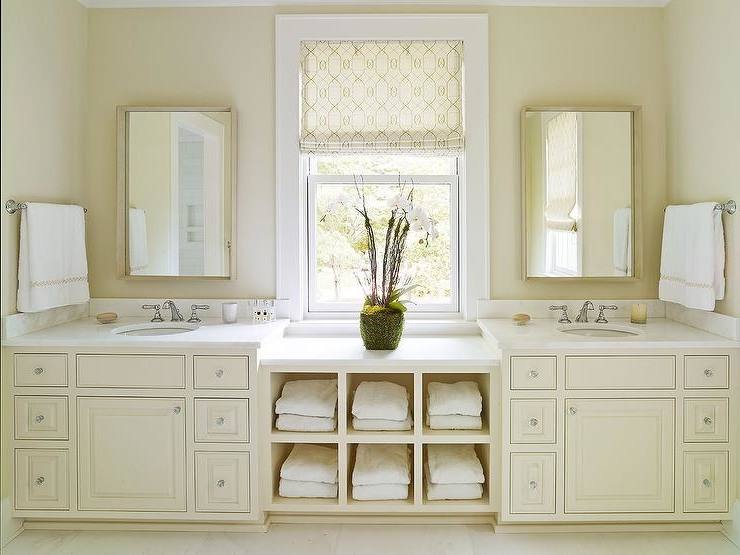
<point>144,526</point>
<point>731,528</point>
<point>601,528</point>
<point>9,526</point>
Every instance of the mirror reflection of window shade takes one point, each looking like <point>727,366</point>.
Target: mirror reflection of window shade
<point>561,171</point>
<point>381,96</point>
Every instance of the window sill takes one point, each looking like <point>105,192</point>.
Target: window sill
<point>412,327</point>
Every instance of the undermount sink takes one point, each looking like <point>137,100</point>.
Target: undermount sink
<point>155,328</point>
<point>599,330</point>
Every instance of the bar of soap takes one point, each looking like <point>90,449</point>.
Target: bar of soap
<point>520,319</point>
<point>106,317</point>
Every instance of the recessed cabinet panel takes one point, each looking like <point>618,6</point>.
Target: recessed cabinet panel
<point>705,420</point>
<point>222,482</point>
<point>620,372</point>
<point>705,482</point>
<point>140,371</point>
<point>41,417</point>
<point>42,370</point>
<point>533,421</point>
<point>222,420</point>
<point>619,455</point>
<point>213,372</point>
<point>131,454</point>
<point>533,372</point>
<point>41,479</point>
<point>532,483</point>
<point>707,372</point>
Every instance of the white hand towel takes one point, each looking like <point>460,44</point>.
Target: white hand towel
<point>380,492</point>
<point>454,422</point>
<point>377,424</point>
<point>622,241</point>
<point>138,253</point>
<point>692,258</point>
<point>52,260</point>
<point>385,400</point>
<point>298,423</point>
<point>454,464</point>
<point>296,488</point>
<point>308,398</point>
<point>381,464</point>
<point>437,492</point>
<point>454,398</point>
<point>311,463</point>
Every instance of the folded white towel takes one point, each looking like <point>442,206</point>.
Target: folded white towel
<point>380,492</point>
<point>52,260</point>
<point>622,241</point>
<point>454,422</point>
<point>454,464</point>
<point>138,254</point>
<point>454,398</point>
<point>311,463</point>
<point>385,400</point>
<point>298,423</point>
<point>381,464</point>
<point>436,492</point>
<point>692,258</point>
<point>297,488</point>
<point>371,424</point>
<point>308,398</point>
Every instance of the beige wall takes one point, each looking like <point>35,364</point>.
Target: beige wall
<point>703,60</point>
<point>226,56</point>
<point>43,95</point>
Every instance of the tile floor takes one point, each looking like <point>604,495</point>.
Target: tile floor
<point>298,539</point>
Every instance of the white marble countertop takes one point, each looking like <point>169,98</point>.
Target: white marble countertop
<point>349,352</point>
<point>87,332</point>
<point>658,333</point>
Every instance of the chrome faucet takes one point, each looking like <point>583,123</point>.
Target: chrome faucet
<point>176,316</point>
<point>563,308</point>
<point>583,314</point>
<point>601,318</point>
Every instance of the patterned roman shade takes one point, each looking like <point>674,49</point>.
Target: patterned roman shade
<point>381,96</point>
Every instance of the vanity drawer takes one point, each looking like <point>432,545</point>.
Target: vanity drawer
<point>620,372</point>
<point>705,420</point>
<point>533,421</point>
<point>222,420</point>
<point>41,417</point>
<point>711,372</point>
<point>221,372</point>
<point>222,482</point>
<point>131,371</point>
<point>533,372</point>
<point>41,479</point>
<point>706,481</point>
<point>43,370</point>
<point>532,483</point>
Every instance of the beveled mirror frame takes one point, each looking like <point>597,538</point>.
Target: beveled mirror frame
<point>636,112</point>
<point>122,190</point>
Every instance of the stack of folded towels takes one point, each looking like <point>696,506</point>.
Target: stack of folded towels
<point>454,406</point>
<point>381,472</point>
<point>453,472</point>
<point>309,471</point>
<point>381,406</point>
<point>307,406</point>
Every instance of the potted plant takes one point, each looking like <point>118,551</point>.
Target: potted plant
<point>382,315</point>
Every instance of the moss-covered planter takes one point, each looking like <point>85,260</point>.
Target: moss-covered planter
<point>381,328</point>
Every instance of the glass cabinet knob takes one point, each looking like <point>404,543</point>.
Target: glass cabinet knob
<point>532,484</point>
<point>707,420</point>
<point>534,374</point>
<point>177,410</point>
<point>219,373</point>
<point>40,481</point>
<point>706,482</point>
<point>38,371</point>
<point>708,372</point>
<point>572,410</point>
<point>39,418</point>
<point>220,420</point>
<point>533,422</point>
<point>221,483</point>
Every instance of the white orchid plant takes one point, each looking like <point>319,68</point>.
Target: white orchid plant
<point>382,283</point>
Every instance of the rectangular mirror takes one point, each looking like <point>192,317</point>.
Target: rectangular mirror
<point>176,183</point>
<point>580,186</point>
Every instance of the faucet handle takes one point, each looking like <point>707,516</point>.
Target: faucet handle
<point>194,318</point>
<point>155,307</point>
<point>601,319</point>
<point>563,315</point>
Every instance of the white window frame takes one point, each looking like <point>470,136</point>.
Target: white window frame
<point>291,166</point>
<point>317,309</point>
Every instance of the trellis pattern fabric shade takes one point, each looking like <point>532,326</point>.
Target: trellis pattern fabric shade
<point>381,96</point>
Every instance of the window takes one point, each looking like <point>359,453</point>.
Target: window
<point>336,237</point>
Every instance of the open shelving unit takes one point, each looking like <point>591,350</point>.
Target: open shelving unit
<point>346,439</point>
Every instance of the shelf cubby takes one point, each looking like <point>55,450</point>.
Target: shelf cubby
<point>279,452</point>
<point>465,436</point>
<point>351,455</point>
<point>403,378</point>
<point>483,451</point>
<point>277,381</point>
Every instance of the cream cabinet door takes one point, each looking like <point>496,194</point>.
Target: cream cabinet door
<point>619,455</point>
<point>131,454</point>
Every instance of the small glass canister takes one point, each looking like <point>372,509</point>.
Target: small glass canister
<point>229,312</point>
<point>639,313</point>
